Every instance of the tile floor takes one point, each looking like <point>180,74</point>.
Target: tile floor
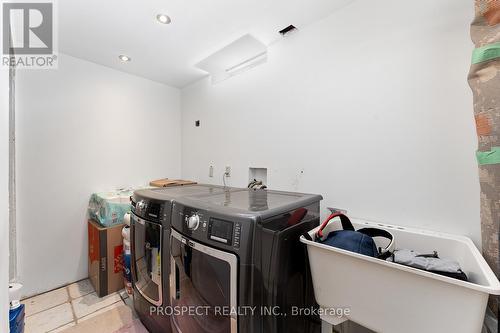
<point>76,308</point>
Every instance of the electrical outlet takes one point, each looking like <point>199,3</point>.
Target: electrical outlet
<point>228,171</point>
<point>211,171</point>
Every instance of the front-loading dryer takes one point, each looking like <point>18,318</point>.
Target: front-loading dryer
<point>237,264</point>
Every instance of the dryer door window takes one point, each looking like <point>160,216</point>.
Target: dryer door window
<point>203,280</point>
<point>147,255</point>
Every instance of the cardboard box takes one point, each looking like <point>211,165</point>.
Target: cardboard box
<point>105,258</point>
<point>170,182</point>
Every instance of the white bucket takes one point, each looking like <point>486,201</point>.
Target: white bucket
<point>391,298</point>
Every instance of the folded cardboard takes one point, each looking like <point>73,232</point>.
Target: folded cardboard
<point>105,258</point>
<point>165,182</point>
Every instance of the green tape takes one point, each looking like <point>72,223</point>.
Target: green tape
<point>485,53</point>
<point>489,157</point>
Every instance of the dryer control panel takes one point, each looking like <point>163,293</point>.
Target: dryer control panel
<point>199,225</point>
<point>226,232</point>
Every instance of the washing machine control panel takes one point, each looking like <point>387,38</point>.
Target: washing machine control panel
<point>149,209</point>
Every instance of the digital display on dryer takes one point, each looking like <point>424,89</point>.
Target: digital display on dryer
<point>220,231</point>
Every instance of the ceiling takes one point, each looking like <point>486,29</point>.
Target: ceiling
<point>99,31</point>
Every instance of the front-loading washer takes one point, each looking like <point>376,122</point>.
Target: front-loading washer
<point>150,245</point>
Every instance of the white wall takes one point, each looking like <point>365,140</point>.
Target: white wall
<point>80,129</point>
<point>4,200</point>
<point>372,103</point>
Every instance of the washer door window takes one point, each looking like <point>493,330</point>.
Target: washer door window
<point>147,248</point>
<point>203,280</point>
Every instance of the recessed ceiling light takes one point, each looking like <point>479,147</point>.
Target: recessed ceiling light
<point>124,58</point>
<point>163,19</point>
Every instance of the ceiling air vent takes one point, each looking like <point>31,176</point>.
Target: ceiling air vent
<point>288,30</point>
